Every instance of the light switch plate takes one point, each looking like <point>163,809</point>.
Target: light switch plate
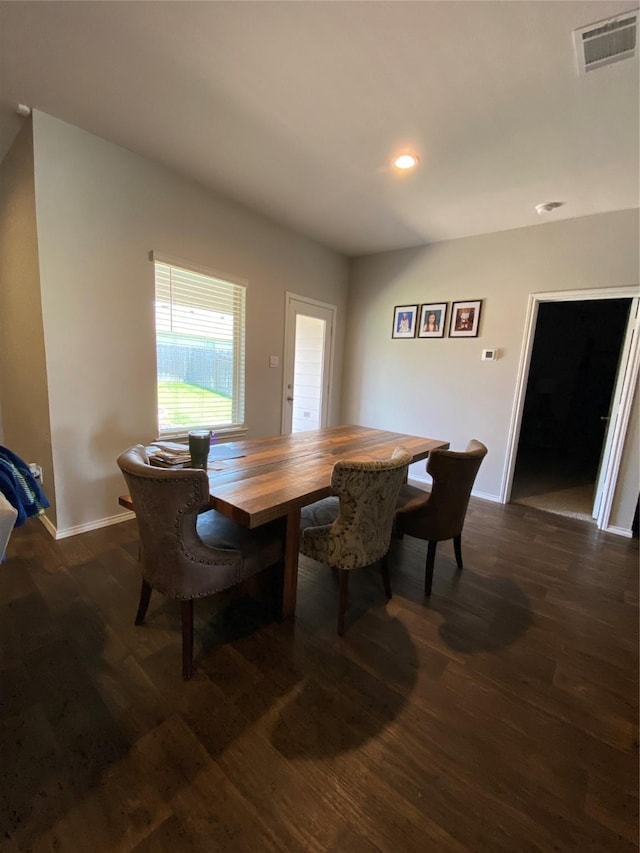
<point>274,361</point>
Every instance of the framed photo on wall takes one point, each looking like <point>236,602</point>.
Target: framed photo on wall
<point>465,319</point>
<point>433,316</point>
<point>404,321</point>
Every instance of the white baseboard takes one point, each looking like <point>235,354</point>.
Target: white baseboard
<point>485,496</point>
<point>423,483</point>
<point>419,483</point>
<point>127,516</point>
<point>85,528</point>
<point>619,531</point>
<point>47,525</point>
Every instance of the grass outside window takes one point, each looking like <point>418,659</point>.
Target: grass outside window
<point>181,405</point>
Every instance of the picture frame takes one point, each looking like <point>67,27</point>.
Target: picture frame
<point>404,321</point>
<point>433,318</point>
<point>465,319</point>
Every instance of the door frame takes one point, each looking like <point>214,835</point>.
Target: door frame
<point>620,408</point>
<point>289,351</point>
<point>625,384</point>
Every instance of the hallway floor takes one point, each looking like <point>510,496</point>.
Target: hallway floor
<point>554,482</point>
<point>574,502</point>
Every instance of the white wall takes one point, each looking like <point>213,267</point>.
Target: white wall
<point>100,211</point>
<point>439,387</point>
<point>626,496</point>
<point>23,379</point>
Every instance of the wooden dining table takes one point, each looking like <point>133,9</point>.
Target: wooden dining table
<point>273,478</point>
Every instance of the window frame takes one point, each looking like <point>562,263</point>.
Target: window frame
<point>239,289</point>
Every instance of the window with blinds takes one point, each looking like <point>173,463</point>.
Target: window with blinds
<point>200,342</point>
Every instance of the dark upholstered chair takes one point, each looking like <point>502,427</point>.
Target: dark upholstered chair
<point>187,552</point>
<point>440,514</point>
<point>353,528</point>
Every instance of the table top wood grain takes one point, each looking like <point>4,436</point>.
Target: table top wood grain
<point>283,473</point>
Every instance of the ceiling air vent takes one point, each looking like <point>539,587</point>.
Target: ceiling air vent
<point>607,41</point>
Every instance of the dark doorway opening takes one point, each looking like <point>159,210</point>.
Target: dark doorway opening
<point>574,363</point>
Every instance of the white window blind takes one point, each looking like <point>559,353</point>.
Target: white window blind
<point>200,343</point>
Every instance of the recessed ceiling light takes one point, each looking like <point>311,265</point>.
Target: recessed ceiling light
<point>406,161</point>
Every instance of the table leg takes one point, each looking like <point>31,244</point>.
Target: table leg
<point>292,546</point>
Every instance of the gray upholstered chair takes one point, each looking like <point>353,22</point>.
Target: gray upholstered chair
<point>440,514</point>
<point>187,552</point>
<point>352,529</point>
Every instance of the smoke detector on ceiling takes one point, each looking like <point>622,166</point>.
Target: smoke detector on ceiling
<point>606,41</point>
<point>547,207</point>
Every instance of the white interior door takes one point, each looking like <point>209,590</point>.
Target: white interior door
<point>309,330</point>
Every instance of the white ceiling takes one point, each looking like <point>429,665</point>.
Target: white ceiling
<point>296,108</point>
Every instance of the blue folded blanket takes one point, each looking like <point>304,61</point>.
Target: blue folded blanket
<point>20,487</point>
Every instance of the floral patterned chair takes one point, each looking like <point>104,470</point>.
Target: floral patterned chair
<point>352,529</point>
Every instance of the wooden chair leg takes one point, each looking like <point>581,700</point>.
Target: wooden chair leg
<point>396,533</point>
<point>384,567</point>
<point>457,547</point>
<point>187,638</point>
<point>344,593</point>
<point>145,595</point>
<point>431,558</point>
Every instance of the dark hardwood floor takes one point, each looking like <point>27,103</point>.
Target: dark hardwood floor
<point>500,715</point>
